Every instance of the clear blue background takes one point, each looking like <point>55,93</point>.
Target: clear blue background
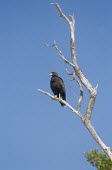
<point>36,133</point>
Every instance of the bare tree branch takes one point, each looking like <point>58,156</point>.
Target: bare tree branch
<point>81,79</point>
<point>91,103</point>
<point>73,48</point>
<point>69,73</point>
<point>63,101</point>
<point>92,90</point>
<point>79,73</point>
<point>86,122</point>
<point>48,94</point>
<point>81,92</point>
<point>61,13</point>
<point>80,87</point>
<point>92,131</point>
<point>60,53</point>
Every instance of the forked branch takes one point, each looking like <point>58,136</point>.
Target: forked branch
<point>92,90</point>
<point>60,53</point>
<point>80,87</point>
<point>81,80</point>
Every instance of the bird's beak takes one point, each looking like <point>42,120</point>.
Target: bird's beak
<point>50,74</point>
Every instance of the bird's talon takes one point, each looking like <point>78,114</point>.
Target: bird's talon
<point>55,97</point>
<point>59,97</point>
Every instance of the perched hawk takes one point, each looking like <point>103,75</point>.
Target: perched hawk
<point>57,86</point>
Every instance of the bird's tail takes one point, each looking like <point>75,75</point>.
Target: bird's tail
<point>61,97</point>
<point>62,104</point>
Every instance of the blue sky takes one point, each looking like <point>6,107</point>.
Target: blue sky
<point>36,132</point>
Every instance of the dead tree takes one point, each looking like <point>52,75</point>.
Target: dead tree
<point>80,78</point>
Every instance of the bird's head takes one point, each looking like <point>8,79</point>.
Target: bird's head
<point>53,74</point>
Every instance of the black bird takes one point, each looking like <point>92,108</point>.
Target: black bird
<point>57,86</point>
